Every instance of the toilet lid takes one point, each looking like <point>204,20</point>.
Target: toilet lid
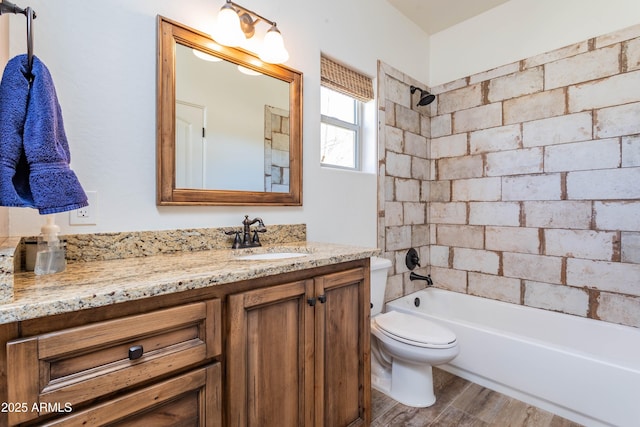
<point>415,330</point>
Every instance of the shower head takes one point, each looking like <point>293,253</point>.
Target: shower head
<point>426,98</point>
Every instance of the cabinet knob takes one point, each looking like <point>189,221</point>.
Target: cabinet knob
<point>311,301</point>
<point>322,298</point>
<point>135,352</point>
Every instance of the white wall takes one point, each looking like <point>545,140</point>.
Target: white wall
<point>102,56</point>
<point>521,29</point>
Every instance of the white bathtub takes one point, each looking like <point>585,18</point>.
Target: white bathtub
<point>585,370</point>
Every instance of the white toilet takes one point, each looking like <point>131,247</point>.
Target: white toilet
<point>404,347</point>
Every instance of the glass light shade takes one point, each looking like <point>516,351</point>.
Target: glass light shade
<point>228,31</point>
<point>205,56</point>
<point>273,50</point>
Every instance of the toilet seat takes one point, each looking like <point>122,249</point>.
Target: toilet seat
<point>414,330</point>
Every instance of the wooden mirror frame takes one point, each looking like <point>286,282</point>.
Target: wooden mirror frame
<point>169,34</point>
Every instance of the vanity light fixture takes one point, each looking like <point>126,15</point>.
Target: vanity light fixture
<point>236,25</point>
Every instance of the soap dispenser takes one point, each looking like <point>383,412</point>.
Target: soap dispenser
<point>50,257</point>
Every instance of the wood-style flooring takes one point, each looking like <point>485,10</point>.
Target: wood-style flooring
<point>463,403</point>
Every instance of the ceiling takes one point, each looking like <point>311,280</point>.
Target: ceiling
<point>436,15</point>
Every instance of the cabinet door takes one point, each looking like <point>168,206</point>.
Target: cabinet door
<point>343,372</point>
<point>270,357</point>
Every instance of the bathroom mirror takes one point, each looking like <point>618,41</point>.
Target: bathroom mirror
<point>229,128</point>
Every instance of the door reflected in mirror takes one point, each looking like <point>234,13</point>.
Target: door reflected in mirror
<point>229,125</point>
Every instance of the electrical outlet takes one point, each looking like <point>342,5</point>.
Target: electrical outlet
<point>87,215</point>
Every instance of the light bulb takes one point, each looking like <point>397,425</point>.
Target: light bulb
<point>227,31</point>
<point>273,50</point>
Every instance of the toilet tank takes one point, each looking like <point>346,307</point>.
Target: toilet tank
<point>379,269</point>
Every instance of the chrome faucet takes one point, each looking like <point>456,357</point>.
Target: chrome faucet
<point>247,241</point>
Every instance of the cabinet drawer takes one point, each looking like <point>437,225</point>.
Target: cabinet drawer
<point>76,365</point>
<point>192,399</point>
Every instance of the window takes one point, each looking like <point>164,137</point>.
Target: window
<point>340,140</point>
<point>344,93</point>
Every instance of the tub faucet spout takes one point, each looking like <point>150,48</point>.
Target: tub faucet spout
<point>416,276</point>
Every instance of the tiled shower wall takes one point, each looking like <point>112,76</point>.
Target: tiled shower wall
<point>535,190</point>
<point>403,177</point>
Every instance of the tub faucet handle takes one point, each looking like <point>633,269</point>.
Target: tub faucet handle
<point>412,259</point>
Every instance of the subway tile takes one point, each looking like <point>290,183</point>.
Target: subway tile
<point>449,146</point>
<point>398,238</point>
<point>397,91</point>
<point>513,239</point>
<point>414,213</point>
<point>514,162</point>
<point>618,121</point>
<point>615,90</point>
<point>420,169</point>
<point>517,84</point>
<point>447,278</point>
<point>596,154</point>
<point>554,55</point>
<point>618,36</point>
<point>558,214</point>
<point>420,237</point>
<point>447,213</point>
<point>494,213</point>
<point>558,130</point>
<point>589,244</point>
<point>495,139</point>
<point>534,107</point>
<point>407,119</point>
<point>538,268</point>
<point>631,151</point>
<point>632,51</point>
<point>460,167</point>
<point>440,191</point>
<point>556,297</point>
<point>415,145</point>
<point>591,65</point>
<point>615,215</point>
<point>398,165</point>
<point>439,256</point>
<point>495,287</point>
<point>394,139</point>
<point>630,247</point>
<point>616,308</point>
<point>460,99</point>
<point>393,214</point>
<point>441,125</point>
<point>481,261</point>
<point>477,118</point>
<point>495,72</point>
<point>462,236</point>
<point>476,189</point>
<point>532,187</point>
<point>407,190</point>
<point>604,184</point>
<point>604,275</point>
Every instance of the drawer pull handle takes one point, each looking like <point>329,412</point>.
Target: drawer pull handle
<point>135,352</point>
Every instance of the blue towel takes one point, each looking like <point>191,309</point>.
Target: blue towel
<point>34,158</point>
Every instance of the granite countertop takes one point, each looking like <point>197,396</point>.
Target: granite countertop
<point>103,282</point>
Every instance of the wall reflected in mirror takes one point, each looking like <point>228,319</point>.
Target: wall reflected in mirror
<point>232,125</point>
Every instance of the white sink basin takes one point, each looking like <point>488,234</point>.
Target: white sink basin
<point>272,255</point>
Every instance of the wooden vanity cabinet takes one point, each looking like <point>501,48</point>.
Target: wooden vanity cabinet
<point>298,353</point>
<point>105,372</point>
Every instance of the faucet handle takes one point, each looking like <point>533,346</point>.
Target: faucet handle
<point>256,239</point>
<point>237,243</point>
